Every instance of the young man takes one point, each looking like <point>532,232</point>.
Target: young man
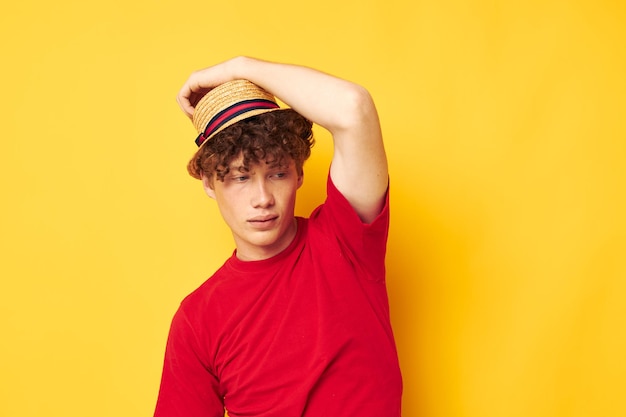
<point>296,322</point>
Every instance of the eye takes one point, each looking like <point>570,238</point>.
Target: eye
<point>279,175</point>
<point>239,178</point>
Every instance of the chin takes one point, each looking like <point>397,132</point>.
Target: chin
<point>264,242</point>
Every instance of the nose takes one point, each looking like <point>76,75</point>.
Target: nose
<point>263,196</point>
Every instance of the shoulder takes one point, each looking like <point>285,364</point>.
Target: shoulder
<point>206,293</point>
<point>339,211</point>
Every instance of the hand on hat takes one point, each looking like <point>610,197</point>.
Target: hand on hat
<point>202,81</point>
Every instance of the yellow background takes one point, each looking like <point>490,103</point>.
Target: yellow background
<point>504,124</point>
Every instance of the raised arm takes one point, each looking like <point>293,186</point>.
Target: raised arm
<point>345,109</point>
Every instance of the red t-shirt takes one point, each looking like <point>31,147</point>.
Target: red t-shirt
<point>304,333</point>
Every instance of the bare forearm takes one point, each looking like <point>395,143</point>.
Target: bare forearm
<point>331,102</point>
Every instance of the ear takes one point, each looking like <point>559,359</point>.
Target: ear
<point>301,179</point>
<point>207,184</point>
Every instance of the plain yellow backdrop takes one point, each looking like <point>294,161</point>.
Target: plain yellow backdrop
<point>505,129</point>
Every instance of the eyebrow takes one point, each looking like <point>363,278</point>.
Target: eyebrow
<point>274,164</point>
<point>239,168</point>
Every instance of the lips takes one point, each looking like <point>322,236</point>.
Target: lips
<point>263,219</point>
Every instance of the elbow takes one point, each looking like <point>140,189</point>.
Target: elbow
<point>357,108</point>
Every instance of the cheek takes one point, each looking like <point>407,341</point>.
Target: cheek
<point>289,196</point>
<point>227,203</point>
<point>230,202</point>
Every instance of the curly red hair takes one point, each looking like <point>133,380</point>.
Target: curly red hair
<point>272,137</point>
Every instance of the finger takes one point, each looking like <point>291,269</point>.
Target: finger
<point>185,106</point>
<point>184,100</point>
<point>191,92</point>
<point>197,85</point>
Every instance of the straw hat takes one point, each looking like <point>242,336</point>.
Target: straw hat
<point>227,104</point>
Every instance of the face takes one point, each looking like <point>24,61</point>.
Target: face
<point>258,206</point>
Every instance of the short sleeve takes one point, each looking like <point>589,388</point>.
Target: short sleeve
<point>365,243</point>
<point>188,387</point>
